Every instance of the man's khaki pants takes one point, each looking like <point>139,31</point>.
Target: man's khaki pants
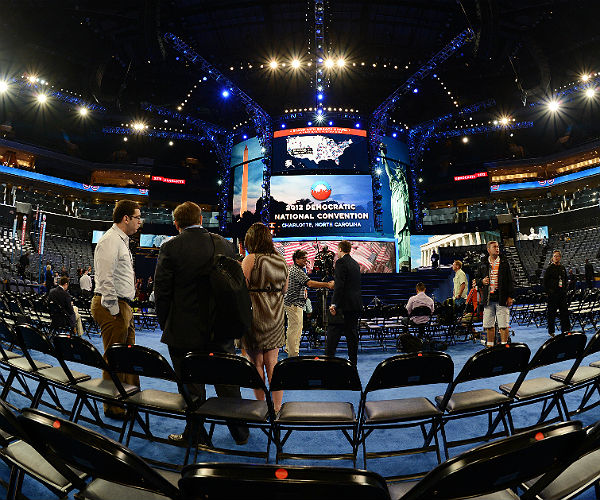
<point>115,330</point>
<point>294,329</point>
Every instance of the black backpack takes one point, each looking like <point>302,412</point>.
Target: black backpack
<point>230,304</point>
<point>409,343</point>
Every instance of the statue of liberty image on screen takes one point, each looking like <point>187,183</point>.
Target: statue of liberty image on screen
<point>399,204</point>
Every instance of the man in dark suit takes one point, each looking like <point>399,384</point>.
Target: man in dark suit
<point>62,299</point>
<point>346,302</point>
<point>181,295</point>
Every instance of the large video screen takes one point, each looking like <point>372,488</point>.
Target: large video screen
<point>320,148</point>
<point>372,256</point>
<point>529,232</point>
<point>153,240</point>
<point>316,205</point>
<point>246,151</point>
<point>247,190</point>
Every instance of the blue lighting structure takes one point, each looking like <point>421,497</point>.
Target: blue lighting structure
<point>481,129</point>
<point>24,83</point>
<point>225,94</point>
<point>161,134</point>
<point>566,95</point>
<point>378,123</point>
<point>321,80</point>
<point>262,124</point>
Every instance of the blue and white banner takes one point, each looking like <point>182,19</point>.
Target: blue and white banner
<point>546,183</point>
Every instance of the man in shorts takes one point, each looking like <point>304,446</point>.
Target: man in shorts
<point>496,284</point>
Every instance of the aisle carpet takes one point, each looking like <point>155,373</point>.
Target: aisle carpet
<point>331,441</point>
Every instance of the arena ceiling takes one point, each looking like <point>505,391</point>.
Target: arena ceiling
<point>113,52</point>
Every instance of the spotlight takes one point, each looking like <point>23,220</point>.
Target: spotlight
<point>341,62</point>
<point>320,112</point>
<point>273,64</point>
<point>357,125</point>
<point>3,87</point>
<point>225,94</point>
<point>585,77</point>
<point>504,120</point>
<point>31,79</point>
<point>319,118</point>
<point>394,135</point>
<point>590,92</point>
<point>319,88</point>
<point>320,97</point>
<point>329,63</point>
<point>553,106</point>
<point>83,111</point>
<point>170,143</point>
<point>420,179</point>
<point>415,90</point>
<point>244,137</point>
<point>309,124</point>
<point>219,182</point>
<point>138,126</point>
<point>331,124</point>
<point>283,125</point>
<point>295,64</point>
<point>465,139</point>
<point>124,139</point>
<point>42,98</point>
<point>378,171</point>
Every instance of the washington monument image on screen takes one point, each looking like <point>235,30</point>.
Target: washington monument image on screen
<point>399,206</point>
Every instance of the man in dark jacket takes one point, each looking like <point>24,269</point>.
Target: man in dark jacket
<point>346,302</point>
<point>62,300</point>
<point>555,285</point>
<point>496,284</point>
<point>181,295</point>
<point>589,274</point>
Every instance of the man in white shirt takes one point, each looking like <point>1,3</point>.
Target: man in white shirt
<point>115,287</point>
<point>420,301</point>
<point>85,282</point>
<point>460,284</point>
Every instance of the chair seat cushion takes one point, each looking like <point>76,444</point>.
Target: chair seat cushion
<point>533,387</point>
<point>596,364</point>
<point>471,400</point>
<point>399,489</point>
<point>35,464</point>
<point>57,374</point>
<point>23,365</point>
<point>576,476</point>
<point>163,400</point>
<point>234,408</point>
<point>582,374</point>
<point>12,355</point>
<point>394,410</point>
<point>105,388</point>
<point>100,489</point>
<point>316,412</point>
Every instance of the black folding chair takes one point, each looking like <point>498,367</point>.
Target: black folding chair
<point>227,369</point>
<point>117,472</point>
<point>316,373</point>
<point>491,362</point>
<point>494,468</point>
<point>544,389</point>
<point>405,370</point>
<point>24,455</point>
<point>145,362</point>
<point>254,482</point>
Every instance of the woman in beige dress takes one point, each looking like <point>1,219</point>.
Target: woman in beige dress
<point>266,274</point>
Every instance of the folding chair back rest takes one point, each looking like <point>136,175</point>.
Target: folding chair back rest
<point>250,482</point>
<point>500,464</point>
<point>315,372</point>
<point>219,368</point>
<point>7,334</point>
<point>93,453</point>
<point>139,360</point>
<point>592,347</point>
<point>419,368</point>
<point>559,348</point>
<point>78,350</point>
<point>58,316</point>
<point>32,339</point>
<point>494,361</point>
<point>9,424</point>
<point>421,311</point>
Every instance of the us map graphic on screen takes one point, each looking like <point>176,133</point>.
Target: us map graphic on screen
<point>305,205</point>
<point>320,148</point>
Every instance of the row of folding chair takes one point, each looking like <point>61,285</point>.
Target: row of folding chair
<point>556,461</point>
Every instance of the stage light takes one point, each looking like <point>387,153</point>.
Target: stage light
<point>553,106</point>
<point>329,63</point>
<point>320,97</point>
<point>378,171</point>
<point>225,94</point>
<point>273,64</point>
<point>124,139</point>
<point>42,98</point>
<point>394,135</point>
<point>244,137</point>
<point>283,125</point>
<point>331,124</point>
<point>139,126</point>
<point>295,64</point>
<point>204,78</point>
<point>31,79</point>
<point>219,182</point>
<point>504,120</point>
<point>309,124</point>
<point>585,77</point>
<point>319,112</point>
<point>357,125</point>
<point>83,111</point>
<point>171,143</point>
<point>341,62</point>
<point>465,139</point>
<point>415,90</point>
<point>420,179</point>
<point>3,87</point>
<point>590,92</point>
<point>319,118</point>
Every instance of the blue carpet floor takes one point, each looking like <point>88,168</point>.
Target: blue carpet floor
<point>322,442</point>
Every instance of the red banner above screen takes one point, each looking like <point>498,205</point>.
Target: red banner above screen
<point>158,178</point>
<point>470,177</point>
